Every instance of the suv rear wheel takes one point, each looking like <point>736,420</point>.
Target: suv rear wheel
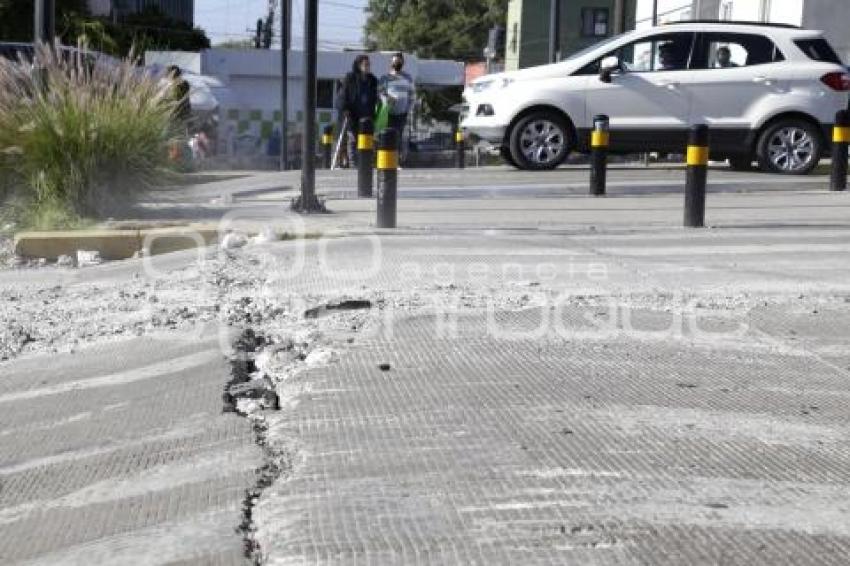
<point>539,141</point>
<point>790,146</point>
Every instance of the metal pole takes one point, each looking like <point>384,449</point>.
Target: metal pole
<point>328,147</point>
<point>387,178</point>
<point>599,140</point>
<point>365,157</point>
<point>308,145</point>
<point>654,13</point>
<point>697,176</point>
<point>44,21</point>
<point>554,30</point>
<point>285,40</point>
<point>619,17</point>
<point>840,139</point>
<point>460,149</point>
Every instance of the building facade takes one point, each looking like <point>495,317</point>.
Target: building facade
<point>830,16</point>
<point>180,10</point>
<point>249,110</point>
<point>581,24</point>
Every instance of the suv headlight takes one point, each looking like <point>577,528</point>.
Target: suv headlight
<point>482,86</point>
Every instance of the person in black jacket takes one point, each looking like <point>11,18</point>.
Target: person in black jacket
<point>358,99</point>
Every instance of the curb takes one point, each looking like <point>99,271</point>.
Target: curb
<point>113,244</point>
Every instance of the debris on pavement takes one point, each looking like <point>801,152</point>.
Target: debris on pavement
<point>88,258</point>
<point>234,240</point>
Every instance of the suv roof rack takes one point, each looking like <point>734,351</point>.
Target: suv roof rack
<point>734,23</point>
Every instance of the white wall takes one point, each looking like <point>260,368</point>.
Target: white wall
<point>833,18</point>
<point>668,11</point>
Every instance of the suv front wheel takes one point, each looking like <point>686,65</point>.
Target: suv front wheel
<point>539,141</point>
<point>789,146</point>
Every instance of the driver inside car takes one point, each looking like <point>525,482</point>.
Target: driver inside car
<point>670,57</point>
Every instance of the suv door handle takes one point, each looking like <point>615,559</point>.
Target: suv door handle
<point>766,81</point>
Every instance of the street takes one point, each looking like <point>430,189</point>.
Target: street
<point>519,374</point>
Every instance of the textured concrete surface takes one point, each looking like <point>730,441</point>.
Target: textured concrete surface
<point>474,450</point>
<point>721,443</point>
<point>582,443</point>
<point>120,455</point>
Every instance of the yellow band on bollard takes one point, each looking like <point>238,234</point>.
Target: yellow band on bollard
<point>327,139</point>
<point>697,155</point>
<point>841,134</point>
<point>387,159</point>
<point>599,138</point>
<point>365,141</point>
<point>458,137</point>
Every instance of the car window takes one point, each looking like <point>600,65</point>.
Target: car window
<point>731,50</point>
<point>818,50</point>
<point>667,52</point>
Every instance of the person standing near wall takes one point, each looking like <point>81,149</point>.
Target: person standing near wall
<point>358,99</point>
<point>397,93</point>
<point>180,93</point>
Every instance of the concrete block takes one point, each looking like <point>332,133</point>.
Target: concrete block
<point>112,244</point>
<point>158,241</point>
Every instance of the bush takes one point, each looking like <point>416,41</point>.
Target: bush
<point>79,135</point>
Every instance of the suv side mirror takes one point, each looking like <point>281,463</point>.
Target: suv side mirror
<point>607,68</point>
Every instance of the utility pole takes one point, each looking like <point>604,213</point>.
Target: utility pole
<point>285,40</point>
<point>44,21</point>
<point>554,31</point>
<point>309,203</point>
<point>619,16</point>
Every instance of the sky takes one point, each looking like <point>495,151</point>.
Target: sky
<point>340,21</point>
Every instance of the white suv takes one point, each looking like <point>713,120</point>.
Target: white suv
<point>768,92</point>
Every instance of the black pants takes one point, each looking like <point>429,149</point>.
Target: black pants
<point>398,122</point>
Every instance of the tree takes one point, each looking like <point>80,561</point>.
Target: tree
<point>151,29</point>
<point>16,17</point>
<point>148,29</point>
<point>441,29</point>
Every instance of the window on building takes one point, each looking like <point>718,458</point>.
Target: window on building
<point>594,22</point>
<point>729,50</point>
<point>325,93</point>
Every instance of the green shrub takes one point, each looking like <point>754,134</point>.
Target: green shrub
<point>79,136</point>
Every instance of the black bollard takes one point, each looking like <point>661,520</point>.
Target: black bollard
<point>365,157</point>
<point>460,147</point>
<point>697,160</point>
<point>328,146</point>
<point>840,141</point>
<point>599,139</point>
<point>387,178</point>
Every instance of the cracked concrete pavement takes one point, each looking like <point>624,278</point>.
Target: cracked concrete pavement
<point>528,387</point>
